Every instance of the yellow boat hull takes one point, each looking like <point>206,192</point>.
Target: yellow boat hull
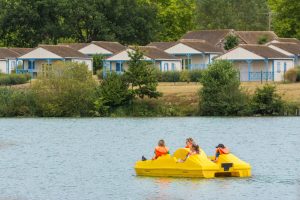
<point>196,166</point>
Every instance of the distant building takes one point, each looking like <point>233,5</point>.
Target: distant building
<point>218,37</point>
<point>195,54</point>
<point>162,60</point>
<point>259,62</point>
<point>98,47</point>
<point>34,61</point>
<point>8,58</point>
<point>290,49</point>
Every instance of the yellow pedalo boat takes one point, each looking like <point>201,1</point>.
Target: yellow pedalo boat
<point>196,166</point>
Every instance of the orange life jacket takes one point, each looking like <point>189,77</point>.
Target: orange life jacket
<point>159,151</point>
<point>222,150</point>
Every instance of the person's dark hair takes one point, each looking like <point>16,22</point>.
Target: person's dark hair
<point>161,143</point>
<point>189,140</point>
<point>196,147</point>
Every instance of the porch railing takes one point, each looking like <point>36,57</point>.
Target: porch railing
<point>198,66</point>
<point>261,76</point>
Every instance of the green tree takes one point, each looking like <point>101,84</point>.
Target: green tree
<point>65,90</point>
<point>231,41</point>
<point>233,14</point>
<point>26,23</point>
<point>175,18</point>
<point>286,21</point>
<point>221,94</point>
<point>266,101</point>
<point>142,76</point>
<point>97,63</point>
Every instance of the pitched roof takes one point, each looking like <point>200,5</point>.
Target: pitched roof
<point>202,46</point>
<point>156,53</point>
<point>253,37</point>
<point>113,47</point>
<point>212,36</point>
<point>63,51</point>
<point>292,40</point>
<point>76,46</point>
<point>7,53</point>
<point>293,48</point>
<point>21,51</point>
<point>263,51</point>
<point>162,45</point>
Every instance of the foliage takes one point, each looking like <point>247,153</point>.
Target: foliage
<point>263,39</point>
<point>15,102</point>
<point>112,92</point>
<point>97,63</point>
<point>291,75</point>
<point>178,76</point>
<point>221,94</point>
<point>184,76</point>
<point>298,73</point>
<point>13,79</point>
<point>175,18</point>
<point>232,14</point>
<point>266,101</point>
<point>287,18</point>
<point>26,23</point>
<point>99,74</point>
<point>142,76</point>
<point>64,90</point>
<point>169,76</point>
<point>231,41</point>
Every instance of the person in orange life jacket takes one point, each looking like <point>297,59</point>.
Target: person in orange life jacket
<point>160,150</point>
<point>189,142</point>
<point>195,150</point>
<point>220,149</point>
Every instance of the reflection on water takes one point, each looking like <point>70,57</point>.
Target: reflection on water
<point>92,159</point>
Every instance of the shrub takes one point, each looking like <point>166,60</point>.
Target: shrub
<point>291,75</point>
<point>263,39</point>
<point>195,75</point>
<point>266,101</point>
<point>231,41</point>
<point>112,92</point>
<point>97,63</point>
<point>99,74</point>
<point>298,74</point>
<point>169,76</point>
<point>185,76</point>
<point>13,79</point>
<point>65,90</point>
<point>16,102</point>
<point>221,94</point>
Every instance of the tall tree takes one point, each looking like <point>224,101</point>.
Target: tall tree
<point>29,22</point>
<point>235,14</point>
<point>175,18</point>
<point>286,17</point>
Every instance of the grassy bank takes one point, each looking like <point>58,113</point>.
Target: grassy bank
<point>185,95</point>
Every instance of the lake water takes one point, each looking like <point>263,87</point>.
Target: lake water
<point>92,159</point>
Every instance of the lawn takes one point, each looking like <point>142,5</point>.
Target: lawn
<point>187,92</point>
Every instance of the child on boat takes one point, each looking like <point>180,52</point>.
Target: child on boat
<point>189,142</point>
<point>195,150</point>
<point>220,149</point>
<point>160,150</point>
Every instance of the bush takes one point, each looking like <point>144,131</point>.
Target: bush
<point>14,79</point>
<point>99,74</point>
<point>298,74</point>
<point>266,101</point>
<point>169,76</point>
<point>221,94</point>
<point>195,75</point>
<point>185,76</point>
<point>231,41</point>
<point>291,75</point>
<point>16,103</point>
<point>65,90</point>
<point>112,92</point>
